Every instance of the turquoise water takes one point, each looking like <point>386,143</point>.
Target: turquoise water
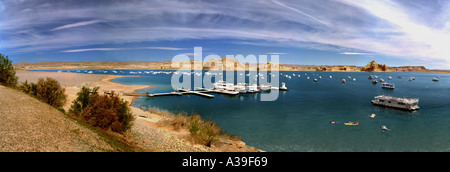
<point>299,120</point>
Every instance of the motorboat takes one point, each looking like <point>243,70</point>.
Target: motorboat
<point>283,87</point>
<point>387,85</point>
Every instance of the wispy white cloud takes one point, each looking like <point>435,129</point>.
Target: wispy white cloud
<point>355,53</point>
<point>300,12</point>
<point>92,49</point>
<point>165,48</point>
<point>77,24</point>
<point>116,49</point>
<point>275,53</point>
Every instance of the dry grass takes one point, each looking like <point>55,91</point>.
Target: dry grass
<point>204,132</point>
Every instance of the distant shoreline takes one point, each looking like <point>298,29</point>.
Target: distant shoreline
<point>430,71</point>
<point>214,64</point>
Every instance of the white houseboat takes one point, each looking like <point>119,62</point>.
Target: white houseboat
<point>396,102</point>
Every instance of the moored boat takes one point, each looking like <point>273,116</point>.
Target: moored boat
<point>283,87</point>
<point>374,81</point>
<point>387,85</point>
<point>396,102</point>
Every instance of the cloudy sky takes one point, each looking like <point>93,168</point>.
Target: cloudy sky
<point>323,32</point>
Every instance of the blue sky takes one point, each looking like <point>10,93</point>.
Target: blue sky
<point>321,32</point>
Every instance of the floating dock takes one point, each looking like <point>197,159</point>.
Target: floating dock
<point>164,94</point>
<point>183,91</point>
<point>200,92</point>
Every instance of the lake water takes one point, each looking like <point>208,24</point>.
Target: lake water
<point>299,120</point>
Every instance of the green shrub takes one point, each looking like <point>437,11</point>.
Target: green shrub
<point>82,100</point>
<point>106,112</point>
<point>28,88</point>
<point>7,73</point>
<point>49,91</point>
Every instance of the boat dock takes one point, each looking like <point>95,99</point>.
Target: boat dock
<point>183,91</point>
<point>220,88</point>
<point>164,94</point>
<point>179,93</point>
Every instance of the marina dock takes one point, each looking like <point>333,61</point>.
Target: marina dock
<point>220,88</point>
<point>183,91</point>
<point>179,93</point>
<point>164,94</point>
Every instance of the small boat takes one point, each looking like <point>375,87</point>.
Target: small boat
<point>372,116</point>
<point>315,80</point>
<point>387,85</point>
<point>354,79</point>
<point>436,79</point>
<point>390,77</point>
<point>411,79</point>
<point>352,123</point>
<point>381,80</point>
<point>283,87</point>
<point>343,81</point>
<point>370,77</point>
<point>374,81</point>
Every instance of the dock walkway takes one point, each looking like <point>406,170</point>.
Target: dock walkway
<point>180,92</point>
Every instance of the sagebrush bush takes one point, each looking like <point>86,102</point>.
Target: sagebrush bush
<point>104,111</point>
<point>49,91</point>
<point>7,73</point>
<point>203,132</point>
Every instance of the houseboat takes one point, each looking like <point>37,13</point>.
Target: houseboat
<point>396,102</point>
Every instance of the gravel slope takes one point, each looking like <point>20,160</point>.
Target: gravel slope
<point>26,124</point>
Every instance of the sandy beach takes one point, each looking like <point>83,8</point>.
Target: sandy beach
<point>145,129</point>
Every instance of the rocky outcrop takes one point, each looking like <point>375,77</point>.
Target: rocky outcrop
<point>375,67</point>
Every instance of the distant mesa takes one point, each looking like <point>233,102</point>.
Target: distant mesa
<point>373,66</point>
